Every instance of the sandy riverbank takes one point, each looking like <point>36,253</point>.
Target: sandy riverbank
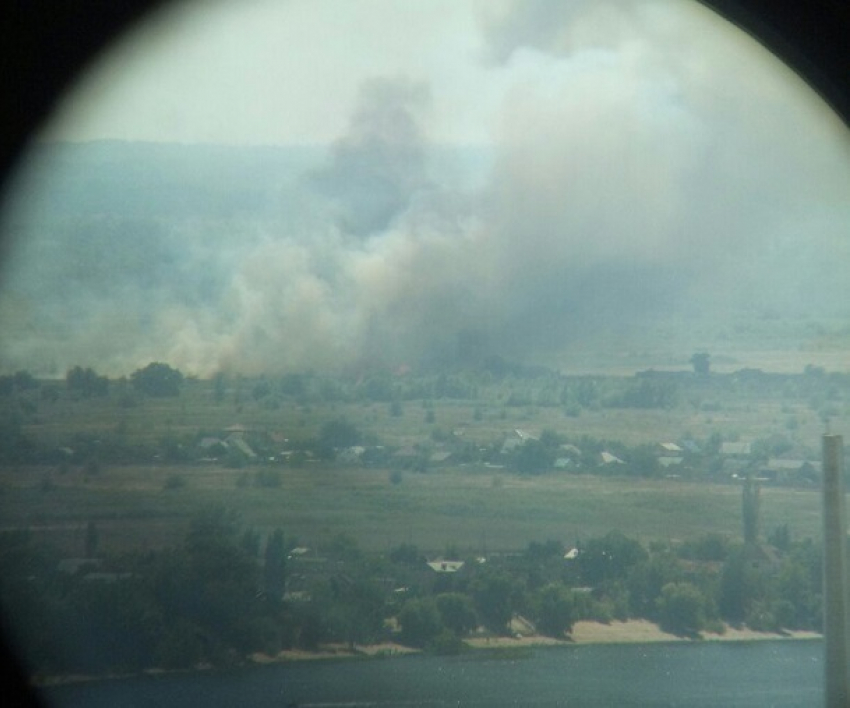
<point>334,651</point>
<point>635,631</point>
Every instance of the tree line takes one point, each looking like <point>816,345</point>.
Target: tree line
<point>225,592</point>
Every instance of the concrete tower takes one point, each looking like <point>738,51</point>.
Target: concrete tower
<point>835,608</point>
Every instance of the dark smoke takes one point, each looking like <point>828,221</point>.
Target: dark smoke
<point>645,167</point>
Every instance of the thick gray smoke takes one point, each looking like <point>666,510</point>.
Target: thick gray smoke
<point>643,167</point>
<point>378,167</point>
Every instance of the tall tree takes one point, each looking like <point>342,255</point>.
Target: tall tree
<point>701,361</point>
<point>86,382</point>
<point>555,610</point>
<point>457,612</point>
<point>750,510</point>
<point>158,380</point>
<point>493,593</point>
<point>274,572</point>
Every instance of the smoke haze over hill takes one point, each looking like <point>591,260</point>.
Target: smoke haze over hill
<point>640,161</point>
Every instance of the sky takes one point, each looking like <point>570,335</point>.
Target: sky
<point>645,159</point>
<point>272,72</point>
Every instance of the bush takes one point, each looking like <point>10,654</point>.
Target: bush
<point>174,481</point>
<point>446,643</point>
<point>457,613</point>
<point>682,609</point>
<point>420,622</point>
<point>555,610</point>
<point>158,380</point>
<point>267,479</point>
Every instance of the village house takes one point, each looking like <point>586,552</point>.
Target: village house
<point>735,449</point>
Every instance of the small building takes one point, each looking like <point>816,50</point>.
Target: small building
<point>785,471</point>
<point>525,436</point>
<point>442,566</point>
<point>669,449</point>
<point>735,449</point>
<point>351,455</point>
<point>608,459</point>
<point>667,462</point>
<point>690,446</point>
<point>237,442</point>
<point>212,448</point>
<point>440,457</point>
<point>510,445</point>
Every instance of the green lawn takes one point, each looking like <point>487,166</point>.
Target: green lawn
<point>476,511</point>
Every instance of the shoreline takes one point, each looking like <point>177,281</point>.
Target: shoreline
<point>584,633</point>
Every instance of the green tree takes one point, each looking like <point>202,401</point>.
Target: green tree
<point>796,588</point>
<point>261,389</point>
<point>407,554</point>
<point>750,504</point>
<point>356,614</point>
<point>493,592</point>
<point>646,580</point>
<point>741,586</point>
<point>701,361</point>
<point>457,612</point>
<point>648,393</point>
<point>682,609</point>
<point>534,457</point>
<point>158,380</point>
<point>219,387</point>
<point>643,461</point>
<point>86,382</point>
<point>335,434</point>
<point>420,622</point>
<point>555,610</point>
<point>609,558</point>
<point>708,547</point>
<point>274,570</point>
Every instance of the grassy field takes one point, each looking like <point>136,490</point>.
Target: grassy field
<point>474,510</point>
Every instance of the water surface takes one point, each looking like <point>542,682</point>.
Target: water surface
<point>762,673</point>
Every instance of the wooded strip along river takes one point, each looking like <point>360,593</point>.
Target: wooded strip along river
<point>759,673</point>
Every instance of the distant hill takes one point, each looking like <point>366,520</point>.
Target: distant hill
<point>138,179</point>
<point>172,180</point>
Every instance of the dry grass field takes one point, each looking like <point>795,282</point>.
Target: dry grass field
<point>475,510</point>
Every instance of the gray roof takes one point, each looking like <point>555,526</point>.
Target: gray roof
<point>445,566</point>
<point>735,448</point>
<point>670,461</point>
<point>242,446</point>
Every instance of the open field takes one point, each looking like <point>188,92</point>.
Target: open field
<point>474,509</point>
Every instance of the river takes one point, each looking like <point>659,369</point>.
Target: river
<point>781,673</point>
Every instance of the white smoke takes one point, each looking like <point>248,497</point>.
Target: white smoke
<point>644,162</point>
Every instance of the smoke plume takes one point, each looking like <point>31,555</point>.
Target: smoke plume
<point>643,166</point>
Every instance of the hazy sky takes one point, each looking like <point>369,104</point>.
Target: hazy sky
<point>278,71</point>
<point>647,159</point>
